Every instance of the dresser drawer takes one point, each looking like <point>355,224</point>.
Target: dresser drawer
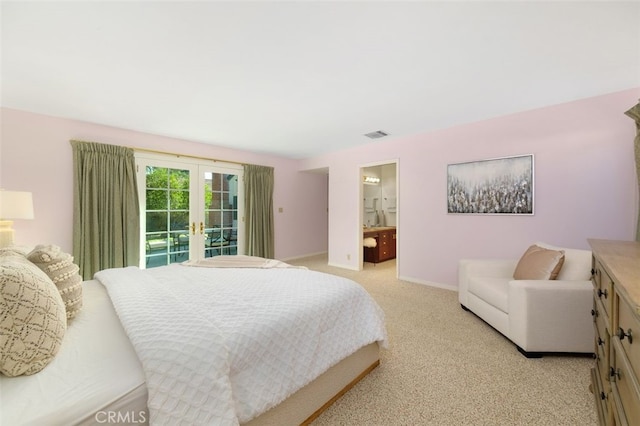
<point>384,239</point>
<point>602,366</point>
<point>627,388</point>
<point>628,332</point>
<point>603,286</point>
<point>600,396</point>
<point>602,354</point>
<point>600,318</point>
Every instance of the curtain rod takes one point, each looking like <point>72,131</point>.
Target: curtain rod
<point>153,151</point>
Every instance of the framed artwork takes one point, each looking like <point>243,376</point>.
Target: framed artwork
<point>494,186</point>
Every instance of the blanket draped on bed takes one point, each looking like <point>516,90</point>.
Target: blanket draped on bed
<point>223,345</point>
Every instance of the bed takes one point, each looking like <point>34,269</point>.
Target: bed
<point>203,343</point>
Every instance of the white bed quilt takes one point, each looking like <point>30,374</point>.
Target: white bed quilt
<point>222,346</point>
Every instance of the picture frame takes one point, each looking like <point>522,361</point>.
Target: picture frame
<point>497,186</point>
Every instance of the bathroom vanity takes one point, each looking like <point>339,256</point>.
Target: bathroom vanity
<point>385,248</point>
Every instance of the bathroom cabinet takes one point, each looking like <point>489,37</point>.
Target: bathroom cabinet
<point>385,248</point>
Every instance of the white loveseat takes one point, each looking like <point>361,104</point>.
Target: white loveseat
<point>539,316</point>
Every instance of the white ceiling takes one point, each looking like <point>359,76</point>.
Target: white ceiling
<point>299,79</point>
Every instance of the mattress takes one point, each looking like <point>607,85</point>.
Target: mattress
<point>79,385</point>
<point>224,345</point>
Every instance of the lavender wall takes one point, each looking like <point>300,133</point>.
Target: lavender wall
<point>35,155</point>
<point>585,187</point>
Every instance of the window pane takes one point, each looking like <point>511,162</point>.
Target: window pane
<point>156,249</point>
<point>179,179</point>
<point>227,181</point>
<point>156,199</point>
<point>212,219</point>
<point>179,221</point>
<point>153,261</point>
<point>227,217</point>
<point>156,221</point>
<point>180,241</point>
<point>215,200</point>
<point>179,200</point>
<point>157,177</point>
<point>224,200</point>
<point>179,250</point>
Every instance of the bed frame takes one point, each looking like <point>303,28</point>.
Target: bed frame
<point>308,403</point>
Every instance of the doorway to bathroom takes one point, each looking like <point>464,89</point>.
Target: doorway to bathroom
<point>379,214</point>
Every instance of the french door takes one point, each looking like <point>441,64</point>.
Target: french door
<point>190,209</point>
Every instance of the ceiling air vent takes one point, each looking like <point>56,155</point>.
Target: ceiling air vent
<point>377,134</point>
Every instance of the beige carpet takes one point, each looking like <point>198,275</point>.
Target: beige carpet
<point>444,366</point>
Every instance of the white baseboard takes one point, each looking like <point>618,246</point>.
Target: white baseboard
<point>287,259</point>
<point>339,265</point>
<point>429,283</point>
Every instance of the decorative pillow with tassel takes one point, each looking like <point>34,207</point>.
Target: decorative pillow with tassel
<point>63,272</point>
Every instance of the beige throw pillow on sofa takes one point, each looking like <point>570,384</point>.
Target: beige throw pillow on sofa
<point>539,263</point>
<point>32,317</point>
<point>63,272</point>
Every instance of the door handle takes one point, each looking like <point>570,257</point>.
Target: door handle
<point>201,228</point>
<point>193,228</point>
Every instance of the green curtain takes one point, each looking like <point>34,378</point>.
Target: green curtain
<point>106,217</point>
<point>634,113</point>
<point>258,206</point>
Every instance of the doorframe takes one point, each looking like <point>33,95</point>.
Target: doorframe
<point>395,161</point>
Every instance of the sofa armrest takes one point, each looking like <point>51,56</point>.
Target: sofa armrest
<point>493,268</point>
<point>551,316</point>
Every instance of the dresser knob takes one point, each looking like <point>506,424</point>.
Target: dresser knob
<point>614,373</point>
<point>594,313</point>
<point>604,293</point>
<point>622,334</point>
<point>600,341</point>
<point>603,396</point>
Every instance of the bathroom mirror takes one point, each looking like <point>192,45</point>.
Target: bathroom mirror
<point>379,192</point>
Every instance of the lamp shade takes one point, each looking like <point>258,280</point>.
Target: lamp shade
<point>16,205</point>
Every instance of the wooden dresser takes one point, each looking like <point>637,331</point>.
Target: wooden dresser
<point>385,248</point>
<point>615,378</point>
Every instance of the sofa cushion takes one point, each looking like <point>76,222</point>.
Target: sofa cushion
<point>577,263</point>
<point>539,263</point>
<point>494,291</point>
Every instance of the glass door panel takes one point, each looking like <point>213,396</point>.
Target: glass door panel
<point>220,213</point>
<point>167,215</point>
